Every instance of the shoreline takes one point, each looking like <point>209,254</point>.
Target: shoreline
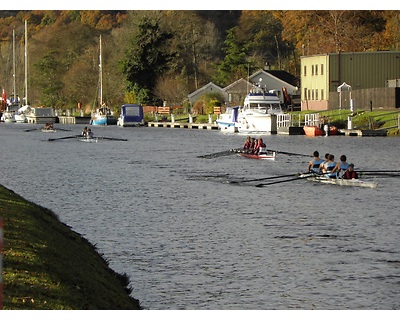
<point>48,266</point>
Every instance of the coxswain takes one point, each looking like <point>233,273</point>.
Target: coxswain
<point>314,164</point>
<point>350,173</point>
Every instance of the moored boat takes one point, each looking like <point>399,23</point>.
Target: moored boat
<point>103,115</point>
<point>227,122</point>
<point>259,112</point>
<point>313,131</point>
<point>131,116</point>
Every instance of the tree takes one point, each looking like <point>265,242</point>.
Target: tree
<point>235,65</point>
<point>47,78</point>
<point>146,58</point>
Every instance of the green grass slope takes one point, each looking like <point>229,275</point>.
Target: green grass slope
<point>47,266</point>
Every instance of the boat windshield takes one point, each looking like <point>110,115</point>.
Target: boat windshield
<point>268,107</point>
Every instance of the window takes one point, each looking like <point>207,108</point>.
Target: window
<point>316,94</point>
<point>305,70</point>
<point>312,70</point>
<point>309,94</point>
<point>316,69</point>
<point>322,94</point>
<point>322,69</point>
<point>305,93</point>
<point>312,94</point>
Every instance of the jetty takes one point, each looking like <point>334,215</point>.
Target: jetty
<point>183,125</point>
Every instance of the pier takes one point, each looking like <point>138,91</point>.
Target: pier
<point>185,125</point>
<point>363,133</point>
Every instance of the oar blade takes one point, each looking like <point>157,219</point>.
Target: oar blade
<point>218,154</point>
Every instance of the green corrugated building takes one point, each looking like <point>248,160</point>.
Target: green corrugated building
<point>373,77</point>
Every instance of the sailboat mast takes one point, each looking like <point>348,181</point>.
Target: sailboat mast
<point>26,62</point>
<point>14,81</point>
<point>101,76</point>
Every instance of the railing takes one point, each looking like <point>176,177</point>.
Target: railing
<point>290,120</point>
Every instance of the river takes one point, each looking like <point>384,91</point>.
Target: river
<point>189,240</point>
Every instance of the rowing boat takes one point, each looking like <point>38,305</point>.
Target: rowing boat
<point>264,156</point>
<point>341,182</point>
<point>87,139</point>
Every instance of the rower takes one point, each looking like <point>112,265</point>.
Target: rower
<point>84,132</point>
<point>341,166</point>
<point>329,166</point>
<point>90,134</point>
<point>321,166</point>
<point>314,164</point>
<point>260,148</point>
<point>247,145</point>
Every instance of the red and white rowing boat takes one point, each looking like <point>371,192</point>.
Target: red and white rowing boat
<point>264,156</point>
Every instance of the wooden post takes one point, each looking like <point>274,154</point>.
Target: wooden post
<point>1,264</point>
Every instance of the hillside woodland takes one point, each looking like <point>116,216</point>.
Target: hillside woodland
<point>150,57</point>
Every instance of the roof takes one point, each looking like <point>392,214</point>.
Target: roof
<point>284,76</point>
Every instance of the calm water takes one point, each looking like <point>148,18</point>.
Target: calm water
<point>190,240</point>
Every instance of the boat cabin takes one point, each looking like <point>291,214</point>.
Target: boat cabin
<point>131,115</point>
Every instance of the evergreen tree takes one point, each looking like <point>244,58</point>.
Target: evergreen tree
<point>146,59</point>
<point>235,65</point>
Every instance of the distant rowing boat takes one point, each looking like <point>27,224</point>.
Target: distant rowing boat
<point>341,182</point>
<point>87,139</point>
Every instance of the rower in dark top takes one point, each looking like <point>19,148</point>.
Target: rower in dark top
<point>314,164</point>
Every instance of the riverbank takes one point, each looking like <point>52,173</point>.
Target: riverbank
<point>47,266</point>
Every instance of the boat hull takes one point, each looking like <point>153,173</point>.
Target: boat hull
<point>268,156</point>
<point>225,126</point>
<point>254,122</point>
<point>314,131</point>
<point>89,140</point>
<point>103,120</point>
<point>343,182</point>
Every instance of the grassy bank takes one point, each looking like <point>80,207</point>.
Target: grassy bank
<point>47,266</point>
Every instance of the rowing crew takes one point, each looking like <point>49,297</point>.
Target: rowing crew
<point>330,168</point>
<point>254,146</point>
<point>87,133</point>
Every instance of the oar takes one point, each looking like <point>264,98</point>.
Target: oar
<point>218,154</point>
<point>107,138</point>
<point>268,178</point>
<point>281,181</point>
<point>291,153</point>
<point>28,130</point>
<point>378,171</point>
<point>62,129</point>
<point>386,174</point>
<point>63,138</point>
